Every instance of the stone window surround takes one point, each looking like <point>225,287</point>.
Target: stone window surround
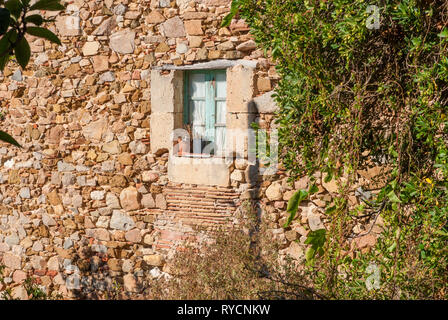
<point>167,101</point>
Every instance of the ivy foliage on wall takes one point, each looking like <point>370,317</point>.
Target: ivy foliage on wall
<point>357,90</point>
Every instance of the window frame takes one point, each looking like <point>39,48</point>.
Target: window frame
<point>211,102</point>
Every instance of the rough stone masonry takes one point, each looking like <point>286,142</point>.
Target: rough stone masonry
<point>90,181</point>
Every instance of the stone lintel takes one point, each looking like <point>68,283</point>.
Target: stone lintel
<point>216,64</point>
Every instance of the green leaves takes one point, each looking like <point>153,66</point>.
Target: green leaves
<point>233,11</point>
<point>3,61</point>
<point>5,47</point>
<point>49,5</point>
<point>293,205</point>
<point>35,19</point>
<point>4,43</point>
<point>393,197</point>
<point>333,90</point>
<point>14,40</point>
<point>23,52</point>
<point>43,33</point>
<point>7,138</point>
<point>442,233</point>
<point>4,20</point>
<point>294,202</point>
<point>444,33</point>
<point>14,7</point>
<point>317,240</point>
<point>313,189</point>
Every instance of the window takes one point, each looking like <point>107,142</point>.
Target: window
<point>204,113</point>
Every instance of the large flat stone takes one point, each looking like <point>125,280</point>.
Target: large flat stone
<point>106,27</point>
<point>173,28</point>
<point>210,171</point>
<point>95,130</point>
<point>12,261</point>
<point>166,91</point>
<point>162,127</point>
<point>68,26</point>
<point>265,103</point>
<point>121,221</point>
<point>130,199</point>
<point>122,41</point>
<point>240,88</point>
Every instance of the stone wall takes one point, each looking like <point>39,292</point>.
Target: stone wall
<point>88,192</point>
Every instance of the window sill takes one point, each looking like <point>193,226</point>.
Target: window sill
<point>194,155</point>
<point>211,171</point>
<point>199,156</point>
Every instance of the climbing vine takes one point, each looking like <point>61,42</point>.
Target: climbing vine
<point>353,96</point>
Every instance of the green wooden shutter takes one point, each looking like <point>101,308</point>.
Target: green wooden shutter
<point>220,110</point>
<point>210,105</point>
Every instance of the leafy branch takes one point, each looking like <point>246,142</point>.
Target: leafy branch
<point>353,98</point>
